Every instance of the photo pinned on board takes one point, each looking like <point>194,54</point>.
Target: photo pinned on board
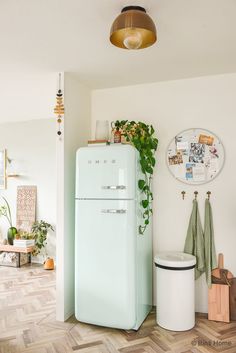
<point>213,152</point>
<point>182,147</point>
<point>197,153</point>
<point>176,159</point>
<point>206,140</point>
<point>189,170</point>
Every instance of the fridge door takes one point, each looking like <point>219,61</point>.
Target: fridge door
<point>106,172</point>
<point>105,257</point>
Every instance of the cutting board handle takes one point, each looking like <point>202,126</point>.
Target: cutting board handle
<point>221,260</point>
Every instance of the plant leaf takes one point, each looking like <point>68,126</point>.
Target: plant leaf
<point>141,184</point>
<point>145,203</point>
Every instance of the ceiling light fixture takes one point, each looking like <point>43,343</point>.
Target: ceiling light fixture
<point>133,29</point>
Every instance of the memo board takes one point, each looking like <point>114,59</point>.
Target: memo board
<point>195,156</point>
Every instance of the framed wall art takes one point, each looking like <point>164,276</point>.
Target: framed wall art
<point>26,207</point>
<point>195,156</point>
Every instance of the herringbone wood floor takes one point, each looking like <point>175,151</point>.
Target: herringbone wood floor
<point>27,324</point>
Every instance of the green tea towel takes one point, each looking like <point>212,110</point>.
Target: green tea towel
<point>209,242</point>
<point>194,243</point>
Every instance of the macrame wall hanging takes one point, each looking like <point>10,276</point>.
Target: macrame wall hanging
<point>59,108</point>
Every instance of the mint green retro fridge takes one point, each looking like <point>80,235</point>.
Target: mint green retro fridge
<point>113,262</point>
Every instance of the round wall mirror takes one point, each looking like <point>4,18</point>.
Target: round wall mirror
<point>195,156</point>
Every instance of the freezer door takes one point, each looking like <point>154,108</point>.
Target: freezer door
<point>106,172</point>
<point>105,271</point>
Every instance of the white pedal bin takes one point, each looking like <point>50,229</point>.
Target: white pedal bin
<point>175,290</point>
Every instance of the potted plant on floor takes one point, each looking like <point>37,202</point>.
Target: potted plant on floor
<point>39,233</point>
<point>6,212</point>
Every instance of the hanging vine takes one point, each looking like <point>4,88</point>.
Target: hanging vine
<point>141,136</point>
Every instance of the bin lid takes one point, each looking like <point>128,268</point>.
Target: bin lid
<point>175,259</point>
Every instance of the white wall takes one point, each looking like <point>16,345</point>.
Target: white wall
<point>27,96</point>
<point>76,133</point>
<point>32,147</point>
<point>171,107</point>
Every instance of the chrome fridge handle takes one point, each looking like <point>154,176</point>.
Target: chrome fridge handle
<point>114,187</point>
<point>113,211</point>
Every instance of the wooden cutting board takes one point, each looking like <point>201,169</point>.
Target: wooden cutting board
<point>217,271</point>
<point>218,303</point>
<point>232,299</point>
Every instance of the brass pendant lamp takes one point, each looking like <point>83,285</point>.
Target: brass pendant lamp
<point>133,29</point>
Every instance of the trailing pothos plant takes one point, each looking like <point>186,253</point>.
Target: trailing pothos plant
<point>141,136</point>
